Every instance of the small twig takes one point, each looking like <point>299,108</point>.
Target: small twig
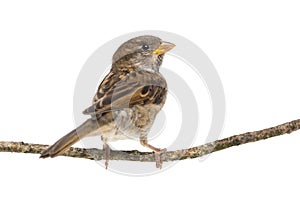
<point>134,155</point>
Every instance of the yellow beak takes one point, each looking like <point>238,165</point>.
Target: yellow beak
<point>163,48</point>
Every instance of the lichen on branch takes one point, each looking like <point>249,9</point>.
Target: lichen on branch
<point>134,155</point>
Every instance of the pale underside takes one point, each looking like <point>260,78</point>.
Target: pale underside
<point>128,123</point>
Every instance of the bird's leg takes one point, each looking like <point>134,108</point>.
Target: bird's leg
<point>157,151</point>
<point>106,149</point>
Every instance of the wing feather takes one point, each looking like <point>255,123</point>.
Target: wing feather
<point>124,90</point>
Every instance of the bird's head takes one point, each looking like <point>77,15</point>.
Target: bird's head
<point>143,52</point>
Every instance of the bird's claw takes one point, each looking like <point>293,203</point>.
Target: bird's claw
<point>106,154</point>
<point>157,155</point>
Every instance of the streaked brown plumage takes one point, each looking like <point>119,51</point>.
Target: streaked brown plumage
<point>128,99</point>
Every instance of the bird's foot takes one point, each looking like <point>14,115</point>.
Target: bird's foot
<point>157,155</point>
<point>106,149</point>
<point>157,151</point>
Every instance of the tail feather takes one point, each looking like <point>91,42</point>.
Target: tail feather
<point>71,138</point>
<point>61,145</point>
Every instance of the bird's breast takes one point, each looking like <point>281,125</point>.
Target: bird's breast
<point>128,123</point>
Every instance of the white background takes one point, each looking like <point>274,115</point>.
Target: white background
<point>254,46</point>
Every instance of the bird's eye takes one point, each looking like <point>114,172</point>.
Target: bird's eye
<point>145,47</point>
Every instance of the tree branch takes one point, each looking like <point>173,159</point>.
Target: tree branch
<point>134,155</point>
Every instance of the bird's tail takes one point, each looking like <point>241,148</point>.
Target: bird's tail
<point>68,140</point>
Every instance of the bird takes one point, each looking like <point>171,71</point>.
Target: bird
<point>127,100</point>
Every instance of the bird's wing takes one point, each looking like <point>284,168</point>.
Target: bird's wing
<point>118,91</point>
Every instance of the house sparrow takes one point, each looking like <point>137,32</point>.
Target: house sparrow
<point>127,100</point>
